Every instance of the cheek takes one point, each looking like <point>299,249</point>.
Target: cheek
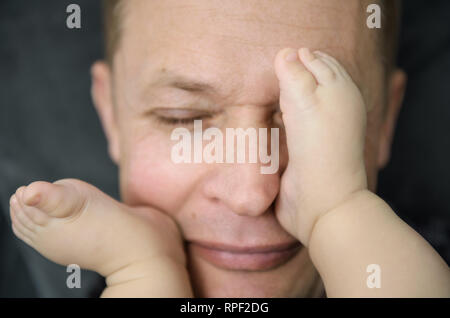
<point>149,177</point>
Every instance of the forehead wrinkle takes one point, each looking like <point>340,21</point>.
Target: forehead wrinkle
<point>264,15</point>
<point>317,28</point>
<point>191,83</point>
<point>241,92</point>
<point>177,84</point>
<point>167,77</point>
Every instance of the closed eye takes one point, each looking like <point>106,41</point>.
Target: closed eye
<point>180,121</point>
<point>179,116</point>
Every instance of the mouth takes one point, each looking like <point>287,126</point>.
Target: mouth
<point>244,258</point>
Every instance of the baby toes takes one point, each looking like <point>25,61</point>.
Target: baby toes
<point>23,227</point>
<point>20,215</point>
<point>296,82</point>
<point>36,215</point>
<point>323,73</point>
<point>18,232</point>
<point>51,199</point>
<point>334,64</point>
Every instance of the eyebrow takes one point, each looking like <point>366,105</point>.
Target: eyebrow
<point>186,83</point>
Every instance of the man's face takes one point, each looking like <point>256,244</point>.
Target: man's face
<point>168,46</point>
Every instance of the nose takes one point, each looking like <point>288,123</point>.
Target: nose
<point>242,188</point>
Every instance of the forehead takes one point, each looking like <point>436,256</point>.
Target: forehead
<point>231,44</point>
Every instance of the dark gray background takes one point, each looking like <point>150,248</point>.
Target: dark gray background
<point>49,129</point>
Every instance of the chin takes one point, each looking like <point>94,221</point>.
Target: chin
<point>296,277</point>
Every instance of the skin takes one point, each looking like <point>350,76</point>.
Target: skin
<point>139,257</point>
<point>323,202</point>
<point>232,46</point>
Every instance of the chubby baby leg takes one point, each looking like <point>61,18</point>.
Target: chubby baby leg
<point>72,222</point>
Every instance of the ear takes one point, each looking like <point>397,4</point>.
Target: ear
<point>101,91</point>
<point>396,91</point>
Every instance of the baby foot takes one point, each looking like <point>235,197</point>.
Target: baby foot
<point>324,116</point>
<point>72,222</point>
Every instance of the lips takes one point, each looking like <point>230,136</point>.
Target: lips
<point>249,258</point>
